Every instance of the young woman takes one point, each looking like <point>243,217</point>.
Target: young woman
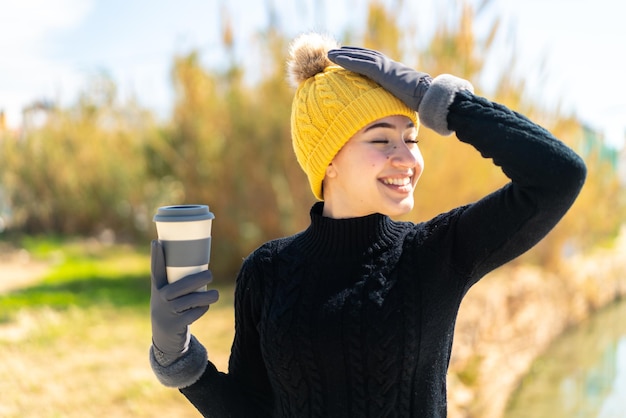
<point>354,316</point>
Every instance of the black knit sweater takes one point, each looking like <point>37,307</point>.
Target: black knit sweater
<point>355,317</point>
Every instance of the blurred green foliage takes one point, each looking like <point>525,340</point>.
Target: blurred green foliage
<point>101,167</point>
<point>83,273</point>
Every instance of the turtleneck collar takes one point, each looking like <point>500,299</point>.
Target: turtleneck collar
<point>350,237</point>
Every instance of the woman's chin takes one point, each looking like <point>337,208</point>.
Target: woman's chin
<point>400,208</point>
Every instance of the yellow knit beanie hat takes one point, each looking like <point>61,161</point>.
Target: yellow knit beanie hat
<point>331,104</point>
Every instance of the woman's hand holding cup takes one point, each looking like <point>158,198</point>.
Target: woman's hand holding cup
<point>179,276</point>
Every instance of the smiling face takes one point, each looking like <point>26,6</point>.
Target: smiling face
<point>375,172</point>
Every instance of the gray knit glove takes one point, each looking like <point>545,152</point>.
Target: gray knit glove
<point>173,307</point>
<point>429,97</point>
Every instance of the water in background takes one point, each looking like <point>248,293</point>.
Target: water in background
<point>582,375</point>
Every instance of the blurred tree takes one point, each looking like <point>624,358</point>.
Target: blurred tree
<point>382,31</point>
<point>104,165</point>
<point>599,212</point>
<point>81,171</point>
<point>229,146</point>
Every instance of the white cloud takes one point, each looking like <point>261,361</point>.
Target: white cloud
<point>30,20</point>
<point>24,26</point>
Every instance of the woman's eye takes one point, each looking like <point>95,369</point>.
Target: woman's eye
<point>380,141</point>
<point>412,141</point>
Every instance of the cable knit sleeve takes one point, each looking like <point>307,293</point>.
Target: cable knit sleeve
<point>245,391</point>
<point>546,177</point>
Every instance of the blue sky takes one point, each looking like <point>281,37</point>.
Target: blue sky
<point>49,48</point>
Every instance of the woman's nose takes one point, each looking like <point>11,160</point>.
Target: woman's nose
<point>403,156</point>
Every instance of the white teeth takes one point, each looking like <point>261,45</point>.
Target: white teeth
<point>398,182</point>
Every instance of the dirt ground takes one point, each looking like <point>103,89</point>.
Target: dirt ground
<point>18,269</point>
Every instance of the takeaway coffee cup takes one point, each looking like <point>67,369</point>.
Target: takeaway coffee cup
<point>185,232</point>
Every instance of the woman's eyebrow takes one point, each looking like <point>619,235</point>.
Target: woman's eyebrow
<point>387,125</point>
